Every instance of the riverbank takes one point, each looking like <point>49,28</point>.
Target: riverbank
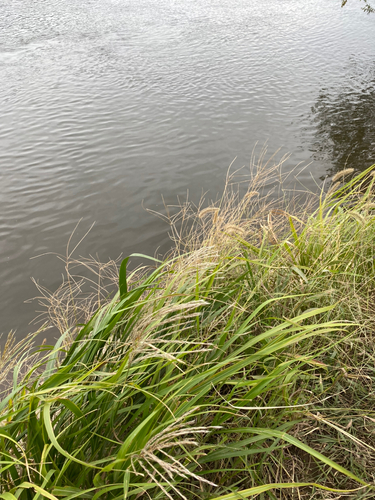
<point>242,363</point>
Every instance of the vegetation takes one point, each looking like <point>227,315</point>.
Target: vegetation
<point>366,8</point>
<point>242,366</point>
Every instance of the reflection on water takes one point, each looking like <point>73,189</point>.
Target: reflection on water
<point>105,104</point>
<point>344,118</point>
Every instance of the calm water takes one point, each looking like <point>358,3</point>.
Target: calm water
<point>108,103</point>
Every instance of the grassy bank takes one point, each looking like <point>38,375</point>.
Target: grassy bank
<point>240,367</point>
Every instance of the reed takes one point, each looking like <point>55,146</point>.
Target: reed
<point>242,366</point>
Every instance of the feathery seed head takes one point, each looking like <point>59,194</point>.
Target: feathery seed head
<point>208,210</point>
<point>251,194</point>
<point>342,174</point>
<point>234,229</point>
<point>333,188</point>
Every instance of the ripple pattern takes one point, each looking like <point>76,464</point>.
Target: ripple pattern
<point>108,103</point>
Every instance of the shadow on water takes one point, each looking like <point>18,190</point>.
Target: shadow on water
<point>344,122</point>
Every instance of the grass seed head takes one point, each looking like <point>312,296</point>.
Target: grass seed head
<point>342,174</point>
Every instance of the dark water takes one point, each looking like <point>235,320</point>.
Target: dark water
<point>108,103</point>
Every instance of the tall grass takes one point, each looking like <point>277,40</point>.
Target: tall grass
<point>242,366</point>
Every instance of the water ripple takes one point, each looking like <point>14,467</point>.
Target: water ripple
<point>105,103</point>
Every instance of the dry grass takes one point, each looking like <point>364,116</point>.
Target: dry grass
<point>242,363</point>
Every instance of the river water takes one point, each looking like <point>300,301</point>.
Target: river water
<point>106,105</point>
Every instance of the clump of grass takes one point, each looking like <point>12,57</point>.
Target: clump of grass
<point>239,367</point>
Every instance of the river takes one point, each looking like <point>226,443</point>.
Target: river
<point>108,105</point>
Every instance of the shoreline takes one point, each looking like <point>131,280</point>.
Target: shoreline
<point>241,364</point>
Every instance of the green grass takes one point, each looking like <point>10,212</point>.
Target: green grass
<point>242,366</point>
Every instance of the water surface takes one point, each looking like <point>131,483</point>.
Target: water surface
<point>105,104</point>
